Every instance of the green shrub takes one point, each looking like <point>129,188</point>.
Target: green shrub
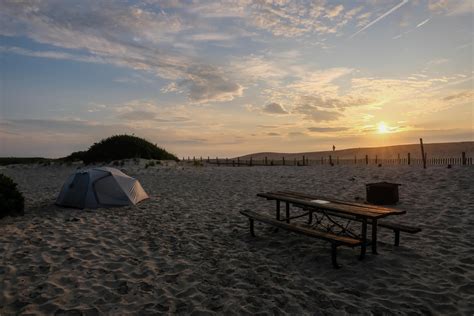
<point>124,147</point>
<point>12,202</point>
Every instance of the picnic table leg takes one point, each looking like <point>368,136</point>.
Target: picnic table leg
<point>278,210</point>
<point>334,256</point>
<point>252,232</point>
<point>287,212</point>
<point>397,238</point>
<point>363,246</point>
<point>374,236</point>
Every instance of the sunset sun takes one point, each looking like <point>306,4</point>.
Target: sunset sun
<point>382,128</point>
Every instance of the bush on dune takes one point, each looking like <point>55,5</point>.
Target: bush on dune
<point>75,156</point>
<point>123,147</point>
<point>12,202</point>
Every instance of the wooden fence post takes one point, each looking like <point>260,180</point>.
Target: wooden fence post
<point>303,160</point>
<point>294,162</point>
<point>251,161</point>
<point>355,159</point>
<point>283,160</point>
<point>330,160</point>
<point>366,159</point>
<point>238,162</point>
<point>217,161</point>
<point>409,159</point>
<point>376,159</point>
<point>266,161</point>
<point>398,158</point>
<point>423,153</point>
<point>208,160</point>
<point>463,158</point>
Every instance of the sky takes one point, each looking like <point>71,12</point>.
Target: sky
<point>227,78</point>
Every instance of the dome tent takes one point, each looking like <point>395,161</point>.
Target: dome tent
<point>100,187</point>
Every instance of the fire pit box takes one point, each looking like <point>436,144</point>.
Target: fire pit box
<point>382,193</point>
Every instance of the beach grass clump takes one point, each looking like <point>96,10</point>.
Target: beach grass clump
<point>12,202</point>
<point>151,164</point>
<point>5,161</point>
<point>121,147</point>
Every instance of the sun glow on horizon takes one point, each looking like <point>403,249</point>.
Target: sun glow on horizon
<point>382,128</point>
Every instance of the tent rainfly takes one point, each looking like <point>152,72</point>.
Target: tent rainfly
<point>100,187</point>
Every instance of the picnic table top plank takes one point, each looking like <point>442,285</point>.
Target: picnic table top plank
<point>346,208</point>
<point>313,197</point>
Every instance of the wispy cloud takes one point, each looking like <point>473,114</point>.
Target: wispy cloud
<point>327,129</point>
<point>398,6</point>
<point>451,7</point>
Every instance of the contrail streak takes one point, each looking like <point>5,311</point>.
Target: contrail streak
<point>380,17</point>
<point>422,23</point>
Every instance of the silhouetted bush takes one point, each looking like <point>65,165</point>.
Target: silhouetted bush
<point>12,202</point>
<point>124,147</point>
<point>75,156</point>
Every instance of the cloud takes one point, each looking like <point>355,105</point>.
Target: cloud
<point>334,11</point>
<point>319,81</point>
<point>211,37</point>
<point>268,69</point>
<point>52,54</point>
<point>315,114</point>
<point>294,18</point>
<point>207,83</point>
<point>138,115</point>
<point>398,6</point>
<point>141,111</point>
<point>274,108</point>
<point>124,36</point>
<point>339,102</point>
<point>461,96</point>
<point>327,129</point>
<point>296,134</point>
<point>273,134</point>
<point>451,7</point>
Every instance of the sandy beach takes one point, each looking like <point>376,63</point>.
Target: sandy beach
<point>188,251</point>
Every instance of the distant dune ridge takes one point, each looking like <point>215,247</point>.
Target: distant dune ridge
<point>437,150</point>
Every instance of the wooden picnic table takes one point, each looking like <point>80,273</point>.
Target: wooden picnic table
<point>366,214</point>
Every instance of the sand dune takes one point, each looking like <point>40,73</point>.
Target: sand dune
<point>187,250</point>
<point>438,150</point>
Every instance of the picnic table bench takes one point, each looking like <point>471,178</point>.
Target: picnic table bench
<point>363,213</point>
<point>335,240</point>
